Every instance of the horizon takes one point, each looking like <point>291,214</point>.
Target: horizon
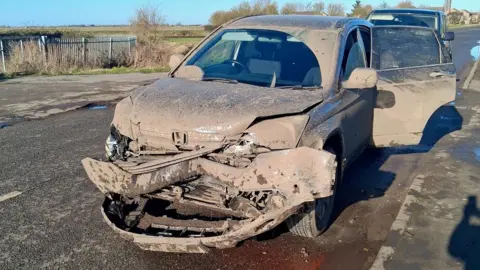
<point>198,13</point>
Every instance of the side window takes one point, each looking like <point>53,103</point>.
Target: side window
<point>218,54</point>
<point>403,47</point>
<point>353,56</point>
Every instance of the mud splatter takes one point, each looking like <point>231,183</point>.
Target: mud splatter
<point>261,179</point>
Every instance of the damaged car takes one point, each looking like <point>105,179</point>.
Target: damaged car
<point>255,126</point>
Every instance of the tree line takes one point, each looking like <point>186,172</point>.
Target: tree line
<point>271,7</point>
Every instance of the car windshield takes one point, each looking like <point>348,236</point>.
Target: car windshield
<point>410,19</point>
<point>259,57</point>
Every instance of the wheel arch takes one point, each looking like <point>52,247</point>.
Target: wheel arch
<point>335,141</point>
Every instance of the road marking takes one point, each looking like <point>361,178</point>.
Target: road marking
<point>386,252</point>
<point>466,84</point>
<point>10,195</point>
<point>382,256</point>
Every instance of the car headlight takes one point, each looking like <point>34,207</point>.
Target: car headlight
<point>116,145</point>
<point>111,147</point>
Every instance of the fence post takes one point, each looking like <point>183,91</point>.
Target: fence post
<point>130,47</point>
<point>110,52</point>
<point>21,49</point>
<point>84,51</point>
<point>44,47</point>
<point>3,56</point>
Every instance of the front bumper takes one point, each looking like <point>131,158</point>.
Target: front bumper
<point>300,175</point>
<point>202,244</point>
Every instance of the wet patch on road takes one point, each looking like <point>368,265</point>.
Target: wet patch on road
<point>9,121</point>
<point>476,151</point>
<point>475,52</point>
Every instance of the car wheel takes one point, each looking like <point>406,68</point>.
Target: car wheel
<point>315,218</point>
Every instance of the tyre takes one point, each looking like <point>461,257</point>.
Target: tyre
<point>315,218</point>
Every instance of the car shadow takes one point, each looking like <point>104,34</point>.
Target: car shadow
<point>464,244</point>
<point>365,179</point>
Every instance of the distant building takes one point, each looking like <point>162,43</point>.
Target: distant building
<point>463,16</point>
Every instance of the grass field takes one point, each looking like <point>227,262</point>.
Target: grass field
<point>185,40</point>
<point>92,31</point>
<point>453,26</point>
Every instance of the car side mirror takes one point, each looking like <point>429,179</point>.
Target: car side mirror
<point>361,78</point>
<point>449,36</point>
<point>175,60</point>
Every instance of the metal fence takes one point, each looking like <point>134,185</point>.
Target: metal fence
<point>99,50</point>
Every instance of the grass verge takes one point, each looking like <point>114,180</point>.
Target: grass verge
<point>100,71</point>
<point>116,70</point>
<point>459,26</point>
<point>185,40</point>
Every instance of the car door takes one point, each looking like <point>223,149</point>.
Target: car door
<point>415,79</point>
<point>359,102</point>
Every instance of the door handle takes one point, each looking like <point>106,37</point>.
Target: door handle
<point>437,74</point>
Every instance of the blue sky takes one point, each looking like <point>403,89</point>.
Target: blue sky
<point>64,12</point>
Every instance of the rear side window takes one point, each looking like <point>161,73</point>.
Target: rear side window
<point>403,47</point>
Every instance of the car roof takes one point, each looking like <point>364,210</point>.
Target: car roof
<point>299,21</point>
<point>407,10</point>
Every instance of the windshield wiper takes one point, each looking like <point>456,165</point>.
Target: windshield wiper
<point>300,87</point>
<point>215,79</point>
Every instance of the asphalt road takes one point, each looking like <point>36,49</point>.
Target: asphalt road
<point>465,40</point>
<point>55,221</point>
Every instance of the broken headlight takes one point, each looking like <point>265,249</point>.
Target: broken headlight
<point>116,145</point>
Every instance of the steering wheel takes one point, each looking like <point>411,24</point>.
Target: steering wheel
<point>235,62</point>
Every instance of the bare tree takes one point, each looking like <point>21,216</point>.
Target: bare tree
<point>405,4</point>
<point>335,10</point>
<point>383,5</point>
<point>317,6</point>
<point>245,8</point>
<point>265,6</point>
<point>146,24</point>
<point>314,7</point>
<point>289,8</point>
<point>359,10</point>
<point>218,17</point>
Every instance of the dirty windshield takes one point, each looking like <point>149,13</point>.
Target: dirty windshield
<point>259,57</point>
<point>409,19</point>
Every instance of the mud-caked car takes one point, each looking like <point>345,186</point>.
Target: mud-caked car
<point>255,125</point>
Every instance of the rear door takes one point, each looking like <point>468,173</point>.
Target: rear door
<point>416,77</point>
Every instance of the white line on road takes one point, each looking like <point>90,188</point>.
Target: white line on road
<point>10,195</point>
<point>399,225</point>
<point>466,84</point>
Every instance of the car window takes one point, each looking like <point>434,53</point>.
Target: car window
<point>260,57</point>
<point>353,56</point>
<point>409,19</point>
<point>221,52</point>
<point>403,47</point>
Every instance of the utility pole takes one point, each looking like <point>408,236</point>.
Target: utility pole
<point>447,6</point>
